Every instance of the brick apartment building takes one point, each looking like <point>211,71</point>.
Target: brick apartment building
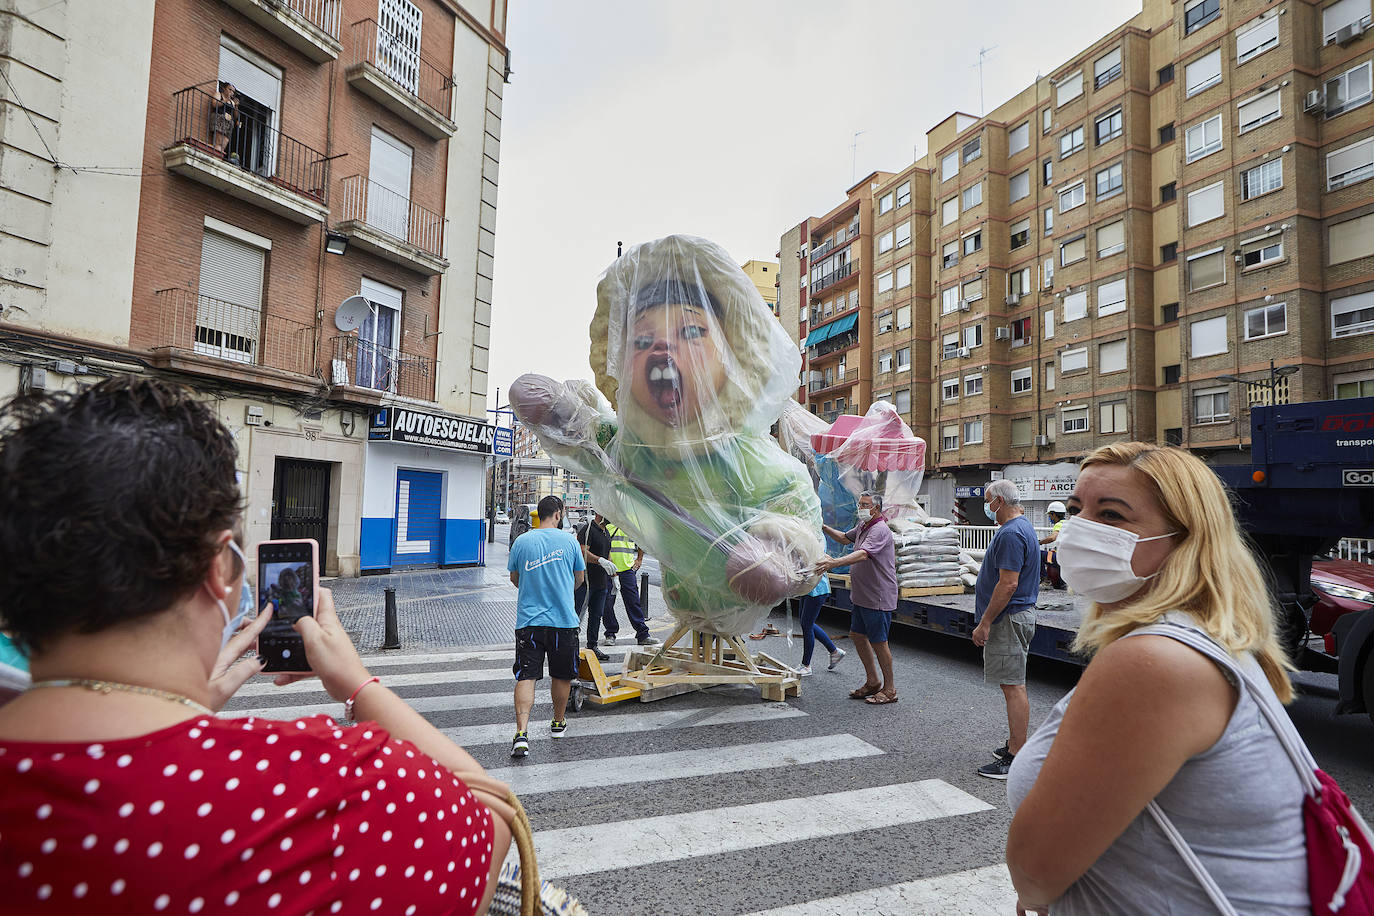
<point>312,248</point>
<point>1118,252</point>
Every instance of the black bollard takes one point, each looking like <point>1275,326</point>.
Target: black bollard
<point>392,639</point>
<point>644,595</point>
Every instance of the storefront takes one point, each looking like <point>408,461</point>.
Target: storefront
<point>423,489</point>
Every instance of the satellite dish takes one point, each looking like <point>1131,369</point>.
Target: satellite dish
<point>351,313</point>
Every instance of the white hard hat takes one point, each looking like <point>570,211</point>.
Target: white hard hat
<point>1057,506</point>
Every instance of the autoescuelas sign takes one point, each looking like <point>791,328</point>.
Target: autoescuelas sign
<point>417,427</point>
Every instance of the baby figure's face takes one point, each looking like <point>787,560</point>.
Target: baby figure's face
<point>675,361</point>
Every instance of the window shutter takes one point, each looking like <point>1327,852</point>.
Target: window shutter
<point>231,270</point>
<point>248,78</point>
<point>1351,239</point>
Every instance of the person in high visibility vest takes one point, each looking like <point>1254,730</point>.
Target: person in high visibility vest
<point>627,557</point>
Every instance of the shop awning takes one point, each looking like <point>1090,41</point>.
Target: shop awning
<point>834,328</point>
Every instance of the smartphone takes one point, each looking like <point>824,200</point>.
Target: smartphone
<point>289,580</point>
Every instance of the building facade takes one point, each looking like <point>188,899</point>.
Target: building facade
<point>764,275</point>
<point>289,206</point>
<point>1119,251</point>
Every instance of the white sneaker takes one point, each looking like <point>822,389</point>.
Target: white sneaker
<point>835,658</point>
<point>803,670</point>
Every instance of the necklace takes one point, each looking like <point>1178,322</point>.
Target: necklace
<point>107,686</point>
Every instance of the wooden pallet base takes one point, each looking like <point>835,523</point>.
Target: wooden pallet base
<point>925,592</point>
<point>706,660</point>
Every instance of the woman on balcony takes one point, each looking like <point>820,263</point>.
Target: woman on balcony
<point>224,115</point>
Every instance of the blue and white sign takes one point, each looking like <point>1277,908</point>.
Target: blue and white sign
<point>504,443</point>
<point>968,492</point>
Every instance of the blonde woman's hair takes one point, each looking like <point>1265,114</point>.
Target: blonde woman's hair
<point>1211,573</point>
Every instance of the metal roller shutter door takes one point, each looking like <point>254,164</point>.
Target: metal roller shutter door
<point>418,529</point>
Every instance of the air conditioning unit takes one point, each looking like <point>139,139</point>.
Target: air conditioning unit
<point>964,305</point>
<point>1001,334</point>
<point>1316,101</point>
<point>1042,440</point>
<point>963,352</point>
<point>1013,298</point>
<point>1348,33</point>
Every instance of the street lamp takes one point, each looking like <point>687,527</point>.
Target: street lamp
<point>1270,384</point>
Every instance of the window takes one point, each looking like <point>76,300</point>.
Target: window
<point>1340,14</point>
<point>1047,274</point>
<point>1257,111</point>
<point>1106,68</point>
<point>902,400</point>
<point>1266,321</point>
<point>973,290</point>
<point>903,234</point>
<point>1349,90</point>
<point>1111,297</point>
<point>1354,385</point>
<point>1261,179</point>
<point>884,321</point>
<point>1107,127</point>
<point>973,385</point>
<point>1071,197</point>
<point>973,149</point>
<point>1021,331</point>
<point>1261,252</point>
<point>1111,357</point>
<point>1169,313</point>
<point>1351,315</point>
<point>1203,139</point>
<point>229,304</point>
<point>1206,204</point>
<point>1109,181</point>
<point>1257,39</point>
<point>1020,233</point>
<point>1019,138</point>
<point>1019,282</point>
<point>885,243</point>
<point>949,211</point>
<point>1049,324</point>
<point>1068,89</point>
<point>1048,375</point>
<point>973,336</point>
<point>1047,172</point>
<point>379,337</point>
<point>903,317</point>
<point>1168,252</point>
<point>903,194</point>
<point>1165,74</point>
<point>1173,436</point>
<point>1207,337</point>
<point>949,165</point>
<point>1172,374</point>
<point>1349,165</point>
<point>949,389</point>
<point>949,300</point>
<point>1076,306</point>
<point>903,359</point>
<point>949,345</point>
<point>1018,186</point>
<point>1168,192</point>
<point>1111,417</point>
<point>1071,141</point>
<point>1047,117</point>
<point>1074,419</point>
<point>1197,13</point>
<point>949,438</point>
<point>884,363</point>
<point>973,432</point>
<point>1211,405</point>
<point>1075,249</point>
<point>1022,429</point>
<point>884,281</point>
<point>973,242</point>
<point>949,254</point>
<point>884,203</point>
<point>1351,239</point>
<point>1203,73</point>
<point>1049,220</point>
<point>904,276</point>
<point>259,112</point>
<point>1073,360</point>
<point>388,187</point>
<point>1167,133</point>
<point>1206,269</point>
<point>972,196</point>
<point>1020,380</point>
<point>1111,239</point>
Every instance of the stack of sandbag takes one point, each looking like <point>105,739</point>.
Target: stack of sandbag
<point>928,557</point>
<point>969,564</point>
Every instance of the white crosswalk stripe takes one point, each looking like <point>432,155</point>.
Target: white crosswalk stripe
<point>419,704</point>
<point>414,679</point>
<point>638,723</point>
<point>975,892</point>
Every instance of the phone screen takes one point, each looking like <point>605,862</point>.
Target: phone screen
<point>286,580</point>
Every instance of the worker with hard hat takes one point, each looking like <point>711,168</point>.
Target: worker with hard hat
<point>1049,561</point>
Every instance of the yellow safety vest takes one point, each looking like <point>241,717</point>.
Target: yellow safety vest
<point>623,550</point>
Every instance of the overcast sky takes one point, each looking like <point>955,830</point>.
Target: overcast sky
<point>633,119</point>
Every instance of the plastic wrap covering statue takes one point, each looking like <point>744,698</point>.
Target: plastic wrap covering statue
<point>796,426</point>
<point>697,369</point>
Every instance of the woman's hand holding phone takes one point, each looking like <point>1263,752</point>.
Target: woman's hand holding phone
<point>231,670</point>
<point>330,651</point>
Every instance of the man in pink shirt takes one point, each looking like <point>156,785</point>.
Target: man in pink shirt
<point>873,592</point>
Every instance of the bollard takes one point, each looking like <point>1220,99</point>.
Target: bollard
<point>392,639</point>
<point>644,595</point>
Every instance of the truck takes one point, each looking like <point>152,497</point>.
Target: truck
<point>1309,482</point>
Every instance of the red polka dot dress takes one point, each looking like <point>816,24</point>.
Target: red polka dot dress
<point>239,815</point>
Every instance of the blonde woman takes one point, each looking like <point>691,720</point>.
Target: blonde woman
<point>1151,539</point>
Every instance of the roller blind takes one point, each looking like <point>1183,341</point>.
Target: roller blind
<point>1111,357</point>
<point>231,270</point>
<point>1019,186</point>
<point>1206,270</point>
<point>1111,238</point>
<point>1206,204</point>
<point>260,85</point>
<point>1351,239</point>
<point>1111,297</point>
<point>1076,305</point>
<point>1208,337</point>
<point>1341,13</point>
<point>1259,38</point>
<point>1106,64</point>
<point>1203,72</point>
<point>1257,111</point>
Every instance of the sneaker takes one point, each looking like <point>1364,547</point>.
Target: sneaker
<point>600,656</point>
<point>803,670</point>
<point>609,640</point>
<point>557,729</point>
<point>521,746</point>
<point>649,641</point>
<point>1003,751</point>
<point>998,769</point>
<point>835,658</point>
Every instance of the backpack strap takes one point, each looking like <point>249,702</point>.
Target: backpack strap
<point>1204,877</point>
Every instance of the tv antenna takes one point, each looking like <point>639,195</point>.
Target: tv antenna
<point>982,53</point>
<point>854,157</point>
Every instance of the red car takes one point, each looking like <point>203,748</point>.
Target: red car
<point>1341,586</point>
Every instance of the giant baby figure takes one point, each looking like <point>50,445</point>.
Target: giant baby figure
<point>698,369</point>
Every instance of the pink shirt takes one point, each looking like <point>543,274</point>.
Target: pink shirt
<point>873,582</point>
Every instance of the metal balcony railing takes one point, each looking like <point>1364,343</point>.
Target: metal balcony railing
<point>364,364</point>
<point>398,216</point>
<point>398,57</point>
<point>322,14</point>
<point>233,332</point>
<point>830,279</point>
<point>251,142</point>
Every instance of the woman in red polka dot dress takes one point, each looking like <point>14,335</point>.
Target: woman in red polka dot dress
<point>120,790</point>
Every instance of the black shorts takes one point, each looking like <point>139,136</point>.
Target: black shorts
<point>533,643</point>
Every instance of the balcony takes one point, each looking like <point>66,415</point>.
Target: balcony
<point>253,161</point>
<point>362,364</point>
<point>309,26</point>
<point>392,226</point>
<point>390,70</point>
<point>202,333</point>
<point>830,279</point>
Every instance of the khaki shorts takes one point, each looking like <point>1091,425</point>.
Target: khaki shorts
<point>1004,656</point>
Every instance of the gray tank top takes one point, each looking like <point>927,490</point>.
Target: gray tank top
<point>1238,804</point>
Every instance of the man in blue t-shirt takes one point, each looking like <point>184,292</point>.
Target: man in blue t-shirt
<point>1004,608</point>
<point>546,566</point>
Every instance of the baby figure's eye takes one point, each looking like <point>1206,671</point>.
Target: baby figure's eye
<point>644,341</point>
<point>693,332</point>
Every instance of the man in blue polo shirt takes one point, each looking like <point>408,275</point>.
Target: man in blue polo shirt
<point>546,566</point>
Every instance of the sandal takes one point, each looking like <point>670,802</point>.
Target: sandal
<point>864,692</point>
<point>881,699</point>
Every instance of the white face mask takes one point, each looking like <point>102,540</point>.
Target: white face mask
<point>232,624</point>
<point>1095,559</point>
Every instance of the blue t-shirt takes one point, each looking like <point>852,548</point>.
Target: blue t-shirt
<point>1014,546</point>
<point>546,559</point>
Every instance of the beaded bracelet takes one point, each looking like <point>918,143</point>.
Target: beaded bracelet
<point>348,704</point>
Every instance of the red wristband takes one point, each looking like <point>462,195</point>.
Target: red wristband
<point>348,704</point>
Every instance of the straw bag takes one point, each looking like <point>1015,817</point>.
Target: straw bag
<point>519,892</point>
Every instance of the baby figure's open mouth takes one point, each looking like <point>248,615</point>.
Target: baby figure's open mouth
<point>665,382</point>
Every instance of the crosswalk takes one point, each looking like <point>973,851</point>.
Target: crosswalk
<point>706,802</point>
